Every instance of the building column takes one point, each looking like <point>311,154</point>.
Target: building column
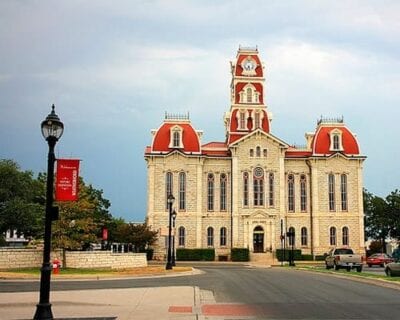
<point>150,193</point>
<point>235,197</point>
<point>361,205</point>
<point>199,198</point>
<point>315,198</point>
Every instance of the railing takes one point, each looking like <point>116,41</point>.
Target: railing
<point>330,120</point>
<point>176,116</point>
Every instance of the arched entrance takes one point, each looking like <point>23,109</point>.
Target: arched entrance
<point>258,239</point>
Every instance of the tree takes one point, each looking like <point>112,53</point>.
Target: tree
<point>21,200</point>
<point>393,207</point>
<point>80,222</point>
<point>139,235</point>
<point>382,217</point>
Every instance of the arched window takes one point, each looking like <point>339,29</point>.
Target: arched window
<point>332,236</point>
<point>222,193</point>
<point>291,192</point>
<point>210,192</point>
<point>258,151</point>
<point>249,94</point>
<point>336,142</point>
<point>222,237</point>
<point>257,120</point>
<point>245,189</point>
<point>210,237</point>
<point>304,236</point>
<point>251,152</point>
<point>177,139</point>
<point>181,234</point>
<point>343,191</point>
<point>182,191</point>
<point>242,120</point>
<point>271,189</point>
<point>303,193</point>
<point>258,184</point>
<point>331,191</point>
<point>168,187</point>
<point>292,240</point>
<point>345,236</point>
<point>265,152</point>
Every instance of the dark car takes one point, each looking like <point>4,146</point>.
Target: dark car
<point>379,259</point>
<point>393,269</point>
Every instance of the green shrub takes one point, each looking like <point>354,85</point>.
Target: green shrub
<point>320,258</point>
<point>195,254</point>
<point>307,257</point>
<point>149,254</point>
<point>240,254</point>
<point>279,254</point>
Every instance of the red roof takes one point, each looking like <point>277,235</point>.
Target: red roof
<point>162,139</point>
<point>321,143</point>
<point>239,69</point>
<point>297,154</point>
<point>215,149</point>
<point>214,145</point>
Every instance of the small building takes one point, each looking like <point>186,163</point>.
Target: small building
<point>250,189</point>
<point>14,238</point>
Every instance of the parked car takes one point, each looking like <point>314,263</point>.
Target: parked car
<point>379,259</point>
<point>393,269</point>
<point>343,258</point>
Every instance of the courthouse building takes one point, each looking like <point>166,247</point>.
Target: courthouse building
<point>250,189</point>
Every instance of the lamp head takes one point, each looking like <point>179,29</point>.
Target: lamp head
<point>52,126</point>
<point>170,199</point>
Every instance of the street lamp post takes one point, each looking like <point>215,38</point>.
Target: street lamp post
<point>52,130</point>
<point>170,201</point>
<point>173,239</point>
<point>291,236</point>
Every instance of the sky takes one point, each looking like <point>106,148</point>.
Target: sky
<point>113,68</point>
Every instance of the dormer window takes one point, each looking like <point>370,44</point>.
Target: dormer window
<point>249,94</point>
<point>336,140</point>
<point>176,137</point>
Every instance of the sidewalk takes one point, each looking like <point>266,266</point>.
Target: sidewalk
<point>123,304</point>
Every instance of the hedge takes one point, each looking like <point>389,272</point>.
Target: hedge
<point>240,254</point>
<point>195,254</point>
<point>307,257</point>
<point>279,254</point>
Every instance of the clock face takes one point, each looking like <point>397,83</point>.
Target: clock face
<point>249,65</point>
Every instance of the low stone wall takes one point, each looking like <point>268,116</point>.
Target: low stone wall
<point>32,258</point>
<point>20,258</point>
<point>104,259</point>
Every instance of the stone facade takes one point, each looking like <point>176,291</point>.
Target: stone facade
<point>249,190</point>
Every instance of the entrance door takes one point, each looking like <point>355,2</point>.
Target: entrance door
<point>258,239</point>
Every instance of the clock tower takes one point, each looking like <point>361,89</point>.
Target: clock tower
<point>248,111</point>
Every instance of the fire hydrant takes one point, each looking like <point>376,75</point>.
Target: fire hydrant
<point>56,266</point>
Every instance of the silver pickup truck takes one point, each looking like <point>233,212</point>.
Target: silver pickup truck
<point>343,258</point>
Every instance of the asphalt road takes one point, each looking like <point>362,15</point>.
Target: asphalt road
<point>280,293</point>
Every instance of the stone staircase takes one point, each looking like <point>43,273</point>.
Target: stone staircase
<point>262,258</point>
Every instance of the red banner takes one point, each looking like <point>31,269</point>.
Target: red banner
<point>67,179</point>
<point>105,233</point>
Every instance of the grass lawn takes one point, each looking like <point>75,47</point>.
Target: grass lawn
<point>89,273</point>
<point>352,273</point>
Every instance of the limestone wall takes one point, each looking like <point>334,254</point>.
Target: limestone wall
<point>32,258</point>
